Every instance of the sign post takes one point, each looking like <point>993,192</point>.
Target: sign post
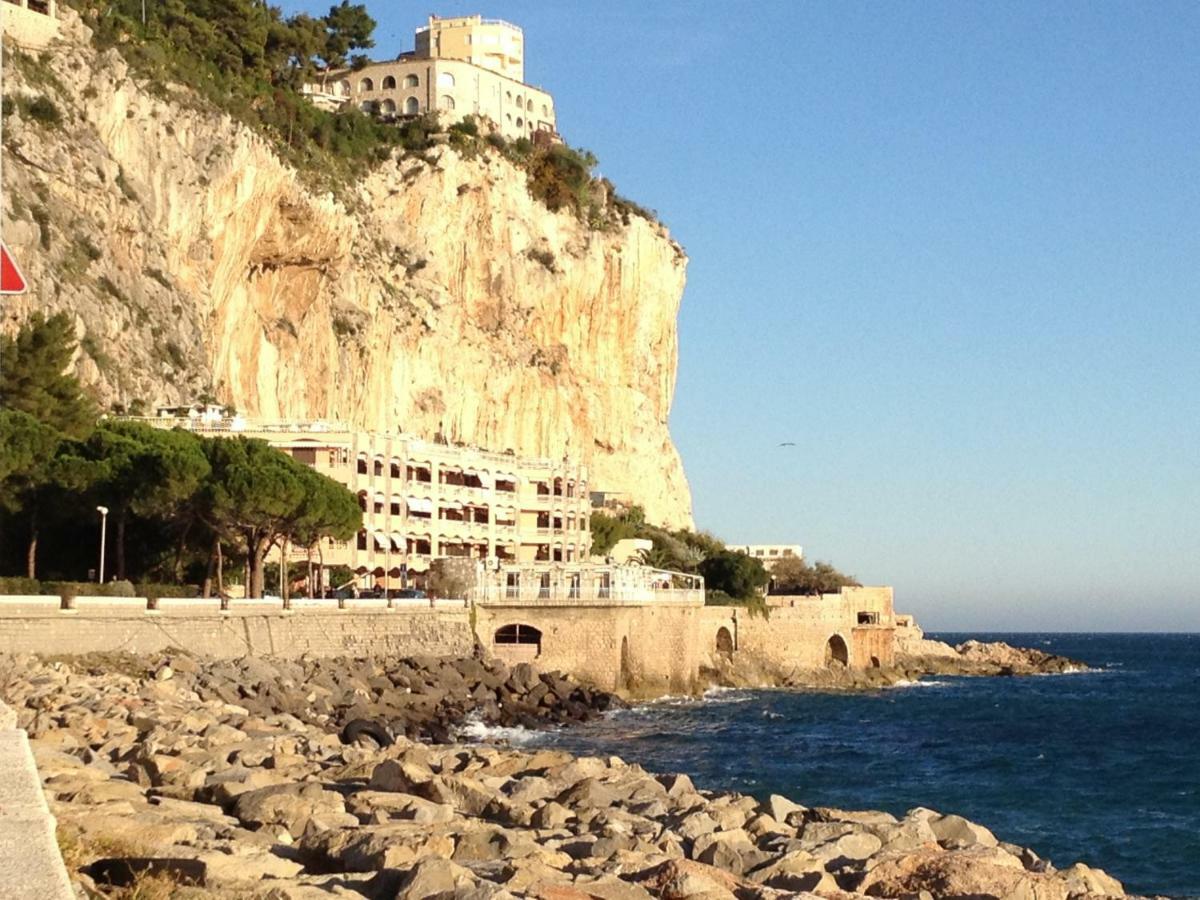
<point>11,279</point>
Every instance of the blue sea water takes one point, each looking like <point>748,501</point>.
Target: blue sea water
<point>1101,766</point>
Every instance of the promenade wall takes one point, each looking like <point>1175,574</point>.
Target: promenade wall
<point>648,649</point>
<point>110,624</point>
<point>30,862</point>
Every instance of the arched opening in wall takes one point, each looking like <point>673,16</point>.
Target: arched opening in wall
<point>366,85</point>
<point>874,662</point>
<point>411,81</point>
<point>446,103</point>
<point>836,652</point>
<point>411,106</point>
<point>626,674</point>
<point>517,643</point>
<point>445,80</point>
<point>389,83</point>
<point>387,108</point>
<point>724,643</point>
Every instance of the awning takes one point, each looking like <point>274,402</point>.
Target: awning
<point>379,498</point>
<point>398,542</point>
<point>396,499</point>
<point>381,540</point>
<point>420,504</point>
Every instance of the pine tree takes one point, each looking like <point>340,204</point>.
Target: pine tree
<point>34,377</point>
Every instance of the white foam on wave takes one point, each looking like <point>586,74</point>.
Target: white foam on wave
<point>477,732</point>
<point>906,683</point>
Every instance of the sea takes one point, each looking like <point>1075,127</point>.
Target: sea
<point>1100,766</point>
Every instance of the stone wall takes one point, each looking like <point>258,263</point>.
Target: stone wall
<point>647,649</point>
<point>268,631</point>
<point>798,630</point>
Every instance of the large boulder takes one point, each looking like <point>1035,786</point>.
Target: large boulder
<point>974,872</point>
<point>292,806</point>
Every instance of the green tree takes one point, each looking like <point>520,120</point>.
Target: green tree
<point>34,375</point>
<point>27,449</point>
<point>733,573</point>
<point>793,575</point>
<point>257,495</point>
<point>348,27</point>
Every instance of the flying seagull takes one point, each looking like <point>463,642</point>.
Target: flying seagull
<point>788,444</point>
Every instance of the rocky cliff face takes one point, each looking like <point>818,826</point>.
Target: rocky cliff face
<point>438,298</point>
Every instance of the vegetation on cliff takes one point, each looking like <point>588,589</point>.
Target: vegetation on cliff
<point>730,576</point>
<point>179,502</point>
<point>247,59</point>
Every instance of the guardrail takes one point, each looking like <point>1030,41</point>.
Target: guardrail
<point>51,605</point>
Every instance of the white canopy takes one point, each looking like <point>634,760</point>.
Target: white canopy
<point>420,504</point>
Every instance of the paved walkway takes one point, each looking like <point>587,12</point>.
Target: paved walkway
<point>31,867</point>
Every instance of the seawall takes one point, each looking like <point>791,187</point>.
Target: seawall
<point>640,649</point>
<point>113,624</point>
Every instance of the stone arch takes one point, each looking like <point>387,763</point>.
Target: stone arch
<point>366,84</point>
<point>387,107</point>
<point>724,643</point>
<point>626,675</point>
<point>836,652</point>
<point>447,102</point>
<point>389,83</point>
<point>517,642</point>
<point>411,81</point>
<point>412,106</point>
<point>445,80</point>
<point>875,662</point>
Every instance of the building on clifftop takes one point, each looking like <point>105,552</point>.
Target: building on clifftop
<point>460,66</point>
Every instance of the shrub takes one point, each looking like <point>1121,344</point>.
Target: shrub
<point>41,109</point>
<point>19,586</point>
<point>154,591</point>
<point>89,589</point>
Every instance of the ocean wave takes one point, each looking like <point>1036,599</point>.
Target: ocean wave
<point>906,683</point>
<point>476,731</point>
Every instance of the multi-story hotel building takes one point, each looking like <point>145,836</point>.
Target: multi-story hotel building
<point>459,67</point>
<point>770,554</point>
<point>423,500</point>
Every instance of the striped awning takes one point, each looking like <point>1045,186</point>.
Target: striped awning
<point>381,540</point>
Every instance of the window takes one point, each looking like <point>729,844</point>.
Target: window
<point>545,110</point>
<point>411,106</point>
<point>411,81</point>
<point>529,106</point>
<point>367,106</point>
<point>387,107</point>
<point>389,83</point>
<point>445,80</point>
<point>447,102</point>
<point>344,88</point>
<point>366,85</point>
<point>519,122</point>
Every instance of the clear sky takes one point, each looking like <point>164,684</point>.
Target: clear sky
<point>951,250</point>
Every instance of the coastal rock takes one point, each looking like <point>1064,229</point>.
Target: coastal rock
<point>447,820</point>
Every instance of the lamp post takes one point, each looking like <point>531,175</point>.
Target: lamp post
<point>103,510</point>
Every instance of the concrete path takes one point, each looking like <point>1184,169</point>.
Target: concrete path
<point>31,867</point>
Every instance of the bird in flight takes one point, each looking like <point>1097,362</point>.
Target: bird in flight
<point>788,444</point>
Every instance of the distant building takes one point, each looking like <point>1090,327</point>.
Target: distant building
<point>31,24</point>
<point>423,501</point>
<point>770,554</point>
<point>459,67</point>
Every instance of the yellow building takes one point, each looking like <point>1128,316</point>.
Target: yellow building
<point>31,24</point>
<point>460,67</point>
<point>423,501</point>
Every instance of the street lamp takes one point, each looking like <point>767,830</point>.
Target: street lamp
<point>103,510</point>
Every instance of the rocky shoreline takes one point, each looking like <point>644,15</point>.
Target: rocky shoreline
<point>916,658</point>
<point>196,778</point>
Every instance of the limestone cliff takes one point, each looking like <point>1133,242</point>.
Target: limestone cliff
<point>438,297</point>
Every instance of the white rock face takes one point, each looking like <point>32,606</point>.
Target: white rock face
<point>436,298</point>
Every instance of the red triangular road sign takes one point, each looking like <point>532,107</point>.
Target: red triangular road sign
<point>11,279</point>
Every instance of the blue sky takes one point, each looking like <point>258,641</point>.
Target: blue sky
<point>952,251</point>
